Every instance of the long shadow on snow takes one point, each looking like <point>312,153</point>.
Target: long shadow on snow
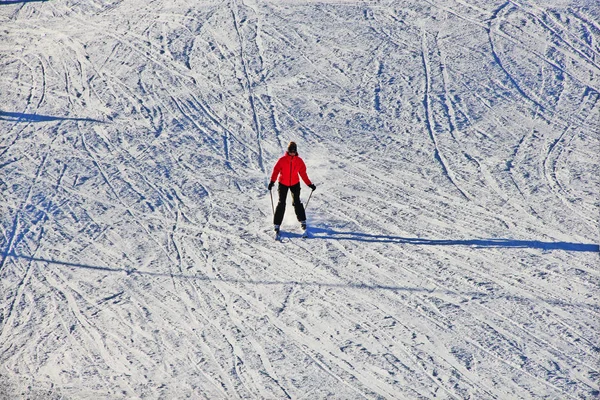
<point>22,117</point>
<point>327,233</point>
<point>133,271</point>
<point>6,2</point>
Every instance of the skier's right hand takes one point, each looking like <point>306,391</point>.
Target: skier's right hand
<point>271,185</point>
<point>312,186</point>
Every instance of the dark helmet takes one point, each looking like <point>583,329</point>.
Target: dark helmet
<point>292,148</point>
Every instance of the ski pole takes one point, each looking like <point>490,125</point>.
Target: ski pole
<point>272,206</point>
<point>306,206</point>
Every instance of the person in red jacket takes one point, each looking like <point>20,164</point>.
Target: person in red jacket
<point>290,168</point>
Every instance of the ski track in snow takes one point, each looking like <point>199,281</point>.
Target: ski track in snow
<point>454,231</point>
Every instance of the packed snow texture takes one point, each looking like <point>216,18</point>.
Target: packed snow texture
<point>454,228</point>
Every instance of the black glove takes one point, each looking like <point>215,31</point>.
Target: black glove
<point>271,185</point>
<point>312,186</point>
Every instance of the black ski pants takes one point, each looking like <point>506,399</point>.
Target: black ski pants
<point>298,206</point>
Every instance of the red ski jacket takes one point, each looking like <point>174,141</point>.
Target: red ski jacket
<point>288,168</point>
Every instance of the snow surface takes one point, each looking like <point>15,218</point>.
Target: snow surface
<point>454,250</point>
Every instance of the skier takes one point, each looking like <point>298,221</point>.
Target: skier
<point>290,168</point>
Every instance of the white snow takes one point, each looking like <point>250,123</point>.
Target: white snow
<point>454,251</point>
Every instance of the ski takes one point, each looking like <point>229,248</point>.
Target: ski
<point>279,237</point>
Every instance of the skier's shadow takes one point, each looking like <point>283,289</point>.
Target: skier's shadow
<point>328,233</point>
<point>7,2</point>
<point>23,117</point>
<point>202,277</point>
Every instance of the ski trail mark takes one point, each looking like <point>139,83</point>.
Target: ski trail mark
<point>495,18</point>
<point>11,314</point>
<point>586,110</point>
<point>555,33</point>
<point>428,116</point>
<point>249,85</point>
<point>13,237</point>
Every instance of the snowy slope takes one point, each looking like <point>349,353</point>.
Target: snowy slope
<point>454,252</point>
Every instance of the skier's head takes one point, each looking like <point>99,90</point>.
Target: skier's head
<point>292,148</point>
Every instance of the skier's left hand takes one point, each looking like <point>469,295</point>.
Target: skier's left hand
<point>271,185</point>
<point>312,186</point>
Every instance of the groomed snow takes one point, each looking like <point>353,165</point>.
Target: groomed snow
<point>454,252</point>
